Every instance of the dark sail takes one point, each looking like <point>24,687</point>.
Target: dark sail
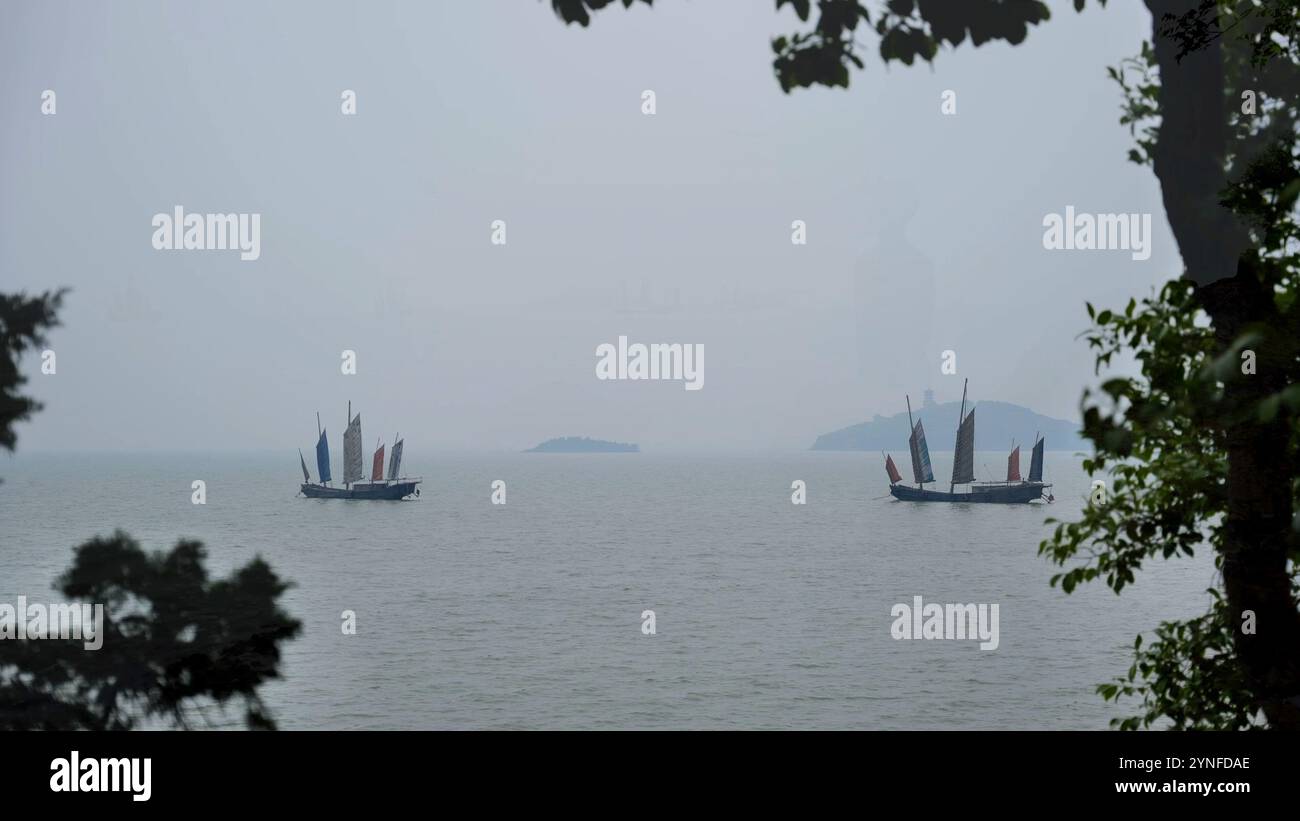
<point>323,458</point>
<point>1036,462</point>
<point>963,464</point>
<point>306,477</point>
<point>1013,465</point>
<point>921,470</point>
<point>395,462</point>
<point>378,469</point>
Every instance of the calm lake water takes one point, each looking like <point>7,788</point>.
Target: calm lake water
<point>527,615</point>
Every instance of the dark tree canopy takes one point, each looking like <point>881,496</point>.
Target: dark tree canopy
<point>175,641</point>
<point>23,323</point>
<point>908,30</point>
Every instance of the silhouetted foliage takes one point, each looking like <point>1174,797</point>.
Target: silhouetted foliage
<point>579,11</point>
<point>23,323</point>
<point>908,30</point>
<point>175,641</point>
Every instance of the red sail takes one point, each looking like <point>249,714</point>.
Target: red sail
<point>1013,465</point>
<point>378,472</point>
<point>892,470</point>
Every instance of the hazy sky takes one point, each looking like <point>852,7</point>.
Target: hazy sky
<point>924,230</point>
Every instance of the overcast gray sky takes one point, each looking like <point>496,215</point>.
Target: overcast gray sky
<point>924,230</point>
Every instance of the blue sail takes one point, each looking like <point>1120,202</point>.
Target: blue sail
<point>323,458</point>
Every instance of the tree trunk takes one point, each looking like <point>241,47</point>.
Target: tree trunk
<point>1189,162</point>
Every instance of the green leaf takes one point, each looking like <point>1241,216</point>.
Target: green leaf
<point>1267,409</point>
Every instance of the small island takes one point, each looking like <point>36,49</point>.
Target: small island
<point>581,444</point>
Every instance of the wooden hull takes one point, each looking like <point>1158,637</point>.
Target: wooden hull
<point>997,494</point>
<point>368,490</point>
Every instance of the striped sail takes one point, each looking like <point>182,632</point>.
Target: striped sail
<point>963,463</point>
<point>352,451</point>
<point>395,464</point>
<point>1036,462</point>
<point>378,472</point>
<point>1013,465</point>
<point>323,458</point>
<point>921,470</point>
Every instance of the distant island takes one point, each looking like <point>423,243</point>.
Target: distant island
<point>998,423</point>
<point>581,444</point>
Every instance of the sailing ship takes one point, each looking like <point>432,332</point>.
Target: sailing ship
<point>1014,490</point>
<point>392,486</point>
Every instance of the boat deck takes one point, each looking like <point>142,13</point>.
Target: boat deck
<point>390,491</point>
<point>1005,493</point>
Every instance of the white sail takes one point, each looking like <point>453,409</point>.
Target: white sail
<point>352,451</point>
